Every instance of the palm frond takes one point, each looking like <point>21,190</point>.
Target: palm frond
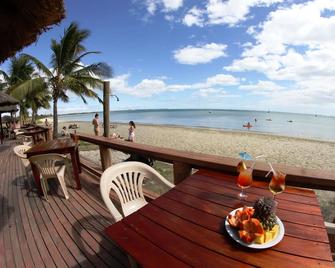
<point>100,69</point>
<point>39,65</point>
<point>28,87</point>
<point>5,75</point>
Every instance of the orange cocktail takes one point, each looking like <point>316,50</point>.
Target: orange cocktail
<point>244,180</point>
<point>277,183</point>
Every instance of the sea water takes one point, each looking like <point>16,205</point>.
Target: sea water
<point>287,124</point>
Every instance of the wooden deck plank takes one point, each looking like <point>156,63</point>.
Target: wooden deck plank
<point>20,182</point>
<point>59,233</point>
<point>33,250</point>
<point>8,209</point>
<point>94,228</point>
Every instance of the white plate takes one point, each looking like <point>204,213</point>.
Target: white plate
<point>234,234</point>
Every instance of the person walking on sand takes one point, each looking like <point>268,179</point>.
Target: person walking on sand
<point>131,131</point>
<point>96,123</point>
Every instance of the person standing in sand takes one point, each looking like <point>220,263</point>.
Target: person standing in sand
<point>131,131</point>
<point>96,123</point>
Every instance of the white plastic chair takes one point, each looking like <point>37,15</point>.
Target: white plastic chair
<point>126,179</point>
<point>20,150</point>
<point>46,164</point>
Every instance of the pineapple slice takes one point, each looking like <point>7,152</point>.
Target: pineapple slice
<point>268,235</point>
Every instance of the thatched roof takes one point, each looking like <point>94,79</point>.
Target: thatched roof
<point>6,100</point>
<point>22,21</point>
<point>8,109</point>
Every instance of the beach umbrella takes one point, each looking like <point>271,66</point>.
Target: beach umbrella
<point>22,21</point>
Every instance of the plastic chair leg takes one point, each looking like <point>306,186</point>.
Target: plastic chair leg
<point>61,180</point>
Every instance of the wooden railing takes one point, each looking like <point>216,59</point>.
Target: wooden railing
<point>183,162</point>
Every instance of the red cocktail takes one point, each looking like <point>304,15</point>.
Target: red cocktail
<point>244,180</point>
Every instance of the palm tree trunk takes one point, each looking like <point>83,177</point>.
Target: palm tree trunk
<point>33,116</point>
<point>55,117</point>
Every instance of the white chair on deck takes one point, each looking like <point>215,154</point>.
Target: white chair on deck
<point>126,180</point>
<point>20,151</point>
<point>52,166</point>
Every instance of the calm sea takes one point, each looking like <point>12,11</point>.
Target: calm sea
<point>288,124</point>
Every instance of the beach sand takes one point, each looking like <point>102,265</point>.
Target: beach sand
<point>278,149</point>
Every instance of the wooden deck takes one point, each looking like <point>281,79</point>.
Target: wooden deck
<point>58,233</point>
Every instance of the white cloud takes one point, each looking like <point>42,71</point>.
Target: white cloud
<point>229,12</point>
<point>200,54</point>
<point>295,44</point>
<point>262,87</point>
<point>150,87</point>
<point>163,5</point>
<point>171,5</point>
<point>194,17</point>
<point>151,6</point>
<point>222,79</point>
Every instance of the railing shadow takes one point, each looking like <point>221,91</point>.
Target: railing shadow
<point>93,227</point>
<point>5,206</point>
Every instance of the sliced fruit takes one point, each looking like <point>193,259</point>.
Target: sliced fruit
<point>246,237</point>
<point>233,221</point>
<point>267,236</point>
<point>253,226</point>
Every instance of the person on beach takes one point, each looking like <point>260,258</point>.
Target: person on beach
<point>64,132</point>
<point>131,131</point>
<point>46,123</point>
<point>96,123</point>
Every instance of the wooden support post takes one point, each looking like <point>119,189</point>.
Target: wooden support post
<point>180,172</point>
<point>106,153</point>
<point>106,108</point>
<point>106,157</point>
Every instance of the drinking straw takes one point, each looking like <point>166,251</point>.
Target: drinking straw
<point>271,170</point>
<point>254,162</point>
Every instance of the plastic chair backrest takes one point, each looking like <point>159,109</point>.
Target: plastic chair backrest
<point>46,163</point>
<point>126,180</point>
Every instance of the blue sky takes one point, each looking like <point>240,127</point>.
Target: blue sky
<point>232,54</point>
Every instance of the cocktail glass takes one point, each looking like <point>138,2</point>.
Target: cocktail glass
<point>277,183</point>
<point>244,180</point>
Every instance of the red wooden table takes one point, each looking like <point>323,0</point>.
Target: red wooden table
<point>34,133</point>
<point>58,146</point>
<point>184,227</point>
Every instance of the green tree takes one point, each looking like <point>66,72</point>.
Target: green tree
<point>25,85</point>
<point>68,73</point>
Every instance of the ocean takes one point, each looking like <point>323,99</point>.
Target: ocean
<point>288,124</point>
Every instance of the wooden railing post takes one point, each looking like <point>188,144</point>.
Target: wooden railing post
<point>106,157</point>
<point>180,172</point>
<point>105,152</point>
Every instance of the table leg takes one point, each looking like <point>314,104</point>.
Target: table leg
<point>78,160</point>
<point>36,174</point>
<point>75,168</point>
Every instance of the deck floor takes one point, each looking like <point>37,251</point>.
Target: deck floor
<point>58,233</point>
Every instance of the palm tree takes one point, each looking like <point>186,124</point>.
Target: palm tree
<point>25,85</point>
<point>68,73</point>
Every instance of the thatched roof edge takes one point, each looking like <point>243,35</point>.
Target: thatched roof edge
<point>22,21</point>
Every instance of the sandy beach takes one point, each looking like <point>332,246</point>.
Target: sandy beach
<point>278,149</point>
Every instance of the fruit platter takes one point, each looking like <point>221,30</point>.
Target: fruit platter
<point>256,227</point>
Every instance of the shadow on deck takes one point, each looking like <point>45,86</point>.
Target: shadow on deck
<point>58,233</point>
